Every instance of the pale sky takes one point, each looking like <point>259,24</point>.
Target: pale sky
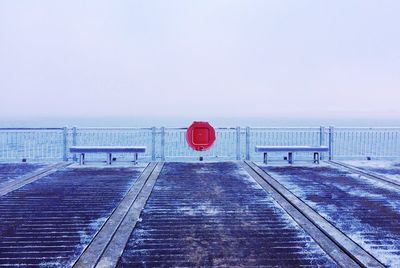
<point>200,58</point>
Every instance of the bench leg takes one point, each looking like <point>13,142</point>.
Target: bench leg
<point>82,159</point>
<point>265,158</point>
<point>316,158</point>
<point>109,158</point>
<point>135,158</point>
<point>290,158</point>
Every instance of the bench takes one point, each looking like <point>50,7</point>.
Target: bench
<point>291,149</point>
<point>82,150</point>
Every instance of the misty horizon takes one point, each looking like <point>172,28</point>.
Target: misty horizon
<point>168,121</point>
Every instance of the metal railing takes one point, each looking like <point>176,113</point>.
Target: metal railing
<point>359,143</point>
<point>169,144</point>
<point>32,143</point>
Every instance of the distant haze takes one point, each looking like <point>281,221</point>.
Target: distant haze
<point>200,59</point>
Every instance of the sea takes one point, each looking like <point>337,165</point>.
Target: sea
<point>181,121</point>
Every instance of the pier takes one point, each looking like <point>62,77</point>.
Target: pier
<point>176,207</point>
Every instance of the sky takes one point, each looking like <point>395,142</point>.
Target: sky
<point>200,59</point>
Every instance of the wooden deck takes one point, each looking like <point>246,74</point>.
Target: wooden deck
<point>197,214</point>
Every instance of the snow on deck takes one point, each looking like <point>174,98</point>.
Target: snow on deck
<point>211,214</point>
<point>388,169</point>
<point>366,211</point>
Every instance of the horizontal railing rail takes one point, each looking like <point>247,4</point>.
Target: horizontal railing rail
<point>169,143</point>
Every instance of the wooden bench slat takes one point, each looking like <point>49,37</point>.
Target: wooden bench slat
<point>107,149</point>
<point>292,149</point>
<point>82,150</point>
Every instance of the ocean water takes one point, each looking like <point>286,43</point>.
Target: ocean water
<point>186,121</point>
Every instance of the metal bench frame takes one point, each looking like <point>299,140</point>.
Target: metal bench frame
<point>82,150</point>
<point>291,149</point>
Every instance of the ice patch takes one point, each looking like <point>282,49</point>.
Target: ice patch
<point>202,170</point>
<point>389,256</point>
<point>247,178</point>
<point>86,236</point>
<point>202,209</point>
<point>371,163</point>
<point>389,169</point>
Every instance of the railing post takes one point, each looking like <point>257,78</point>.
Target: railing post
<point>153,143</point>
<point>65,138</point>
<point>74,135</point>
<point>331,132</point>
<point>321,135</point>
<point>247,143</point>
<point>162,143</point>
<point>238,156</point>
<point>321,140</point>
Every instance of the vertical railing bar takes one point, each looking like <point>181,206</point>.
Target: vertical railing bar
<point>359,142</point>
<point>321,139</point>
<point>385,139</point>
<point>247,143</point>
<point>394,151</point>
<point>153,143</point>
<point>331,131</point>
<point>347,138</point>
<point>380,135</point>
<point>162,143</point>
<point>365,142</point>
<point>393,145</point>
<point>238,156</point>
<point>367,145</point>
<point>388,144</point>
<point>372,139</point>
<point>382,138</point>
<point>342,141</point>
<point>74,141</point>
<point>397,145</point>
<point>387,149</point>
<point>65,137</point>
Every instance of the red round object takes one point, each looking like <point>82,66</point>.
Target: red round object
<point>200,136</point>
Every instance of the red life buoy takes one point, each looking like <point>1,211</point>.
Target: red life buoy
<point>200,136</point>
